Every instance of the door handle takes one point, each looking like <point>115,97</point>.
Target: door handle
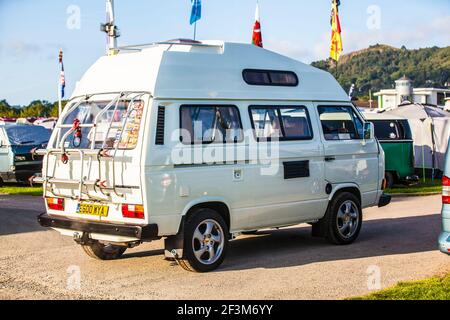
<point>329,159</point>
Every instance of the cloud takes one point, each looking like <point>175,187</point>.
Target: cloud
<point>20,50</point>
<point>291,49</point>
<point>422,34</point>
<point>442,24</point>
<point>436,32</point>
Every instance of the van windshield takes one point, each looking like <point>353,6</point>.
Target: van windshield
<point>117,125</point>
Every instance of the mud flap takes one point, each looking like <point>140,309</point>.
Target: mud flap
<point>174,245</point>
<point>319,229</point>
<point>385,199</point>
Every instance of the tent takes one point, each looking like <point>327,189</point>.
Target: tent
<point>430,127</point>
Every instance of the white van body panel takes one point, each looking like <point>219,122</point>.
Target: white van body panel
<point>175,75</point>
<point>171,71</point>
<point>356,163</point>
<point>269,200</point>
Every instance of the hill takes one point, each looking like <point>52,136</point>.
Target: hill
<point>377,67</point>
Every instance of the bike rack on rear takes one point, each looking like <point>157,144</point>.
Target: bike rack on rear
<point>49,181</point>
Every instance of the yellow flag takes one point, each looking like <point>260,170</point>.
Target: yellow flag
<point>336,37</point>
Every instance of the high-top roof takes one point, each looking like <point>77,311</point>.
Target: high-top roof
<point>204,70</point>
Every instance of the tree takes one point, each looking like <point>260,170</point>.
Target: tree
<point>379,66</point>
<point>36,109</point>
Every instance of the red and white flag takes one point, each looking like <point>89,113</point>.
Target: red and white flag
<point>257,35</point>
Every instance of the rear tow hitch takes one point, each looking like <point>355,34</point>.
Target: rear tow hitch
<point>82,238</point>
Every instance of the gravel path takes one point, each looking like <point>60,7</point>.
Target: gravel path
<point>398,242</point>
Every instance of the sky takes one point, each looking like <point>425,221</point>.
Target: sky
<point>33,31</point>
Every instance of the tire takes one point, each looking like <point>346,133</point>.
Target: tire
<point>343,220</point>
<point>99,251</point>
<point>205,241</point>
<point>389,179</point>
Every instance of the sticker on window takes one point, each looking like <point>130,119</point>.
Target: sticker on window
<point>130,135</point>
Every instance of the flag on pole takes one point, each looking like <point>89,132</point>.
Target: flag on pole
<point>336,47</point>
<point>196,12</point>
<point>110,22</point>
<point>257,35</point>
<point>62,76</point>
<point>351,92</point>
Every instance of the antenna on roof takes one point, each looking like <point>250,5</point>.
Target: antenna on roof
<point>110,29</point>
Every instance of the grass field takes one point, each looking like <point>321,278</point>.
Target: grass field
<point>421,188</point>
<point>436,288</point>
<point>13,189</point>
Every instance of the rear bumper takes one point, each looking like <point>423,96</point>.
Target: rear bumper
<point>444,242</point>
<point>385,199</point>
<point>144,233</point>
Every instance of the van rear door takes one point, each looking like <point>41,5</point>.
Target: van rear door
<point>348,157</point>
<point>94,158</point>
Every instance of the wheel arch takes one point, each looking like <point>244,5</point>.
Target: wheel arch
<point>176,243</point>
<point>347,187</point>
<point>217,204</point>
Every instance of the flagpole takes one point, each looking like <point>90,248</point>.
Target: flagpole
<point>59,102</point>
<point>337,64</point>
<point>60,83</point>
<point>195,30</point>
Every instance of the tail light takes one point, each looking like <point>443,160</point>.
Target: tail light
<point>133,211</point>
<point>446,190</point>
<point>55,204</point>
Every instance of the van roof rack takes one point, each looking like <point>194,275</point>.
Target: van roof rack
<point>178,42</point>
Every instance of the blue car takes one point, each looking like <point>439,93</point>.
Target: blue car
<point>444,238</point>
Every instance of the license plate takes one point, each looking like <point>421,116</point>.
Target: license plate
<point>93,210</point>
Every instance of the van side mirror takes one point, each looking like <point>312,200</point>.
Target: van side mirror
<point>369,131</point>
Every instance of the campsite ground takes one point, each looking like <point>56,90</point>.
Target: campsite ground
<point>398,243</point>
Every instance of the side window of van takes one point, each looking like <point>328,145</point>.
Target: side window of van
<point>210,124</point>
<point>340,123</point>
<point>285,123</point>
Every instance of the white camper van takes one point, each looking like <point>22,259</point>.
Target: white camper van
<point>198,142</point>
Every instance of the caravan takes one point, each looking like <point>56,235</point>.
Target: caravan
<point>198,142</point>
<point>395,137</point>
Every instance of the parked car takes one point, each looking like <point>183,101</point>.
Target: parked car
<point>394,134</point>
<point>444,238</point>
<point>17,164</point>
<point>213,140</point>
<point>47,123</point>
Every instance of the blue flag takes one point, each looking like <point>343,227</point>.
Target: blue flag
<point>196,13</point>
